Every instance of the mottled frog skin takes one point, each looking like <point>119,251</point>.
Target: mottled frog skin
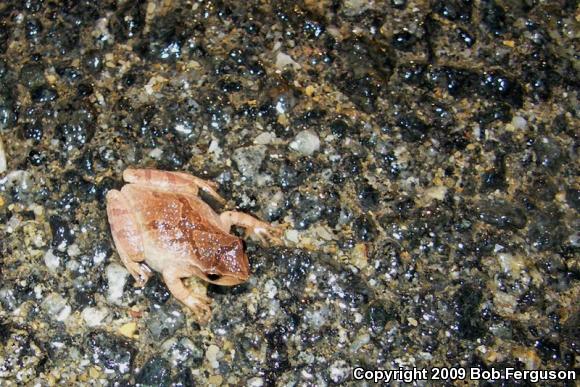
<point>159,222</point>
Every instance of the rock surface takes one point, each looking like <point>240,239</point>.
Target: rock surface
<point>422,155</point>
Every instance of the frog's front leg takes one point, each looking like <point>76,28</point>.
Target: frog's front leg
<point>262,230</point>
<point>175,181</point>
<point>127,236</point>
<point>198,303</point>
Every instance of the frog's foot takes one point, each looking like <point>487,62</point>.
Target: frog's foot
<point>262,231</point>
<point>198,303</point>
<point>139,271</point>
<point>200,306</point>
<point>266,233</point>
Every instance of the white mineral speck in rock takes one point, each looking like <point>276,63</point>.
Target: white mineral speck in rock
<point>283,60</point>
<point>264,138</point>
<point>94,316</point>
<point>249,159</point>
<point>156,153</point>
<point>212,354</point>
<point>292,235</point>
<point>3,164</point>
<point>116,278</point>
<point>256,382</point>
<point>519,122</point>
<point>51,261</point>
<point>56,307</point>
<point>339,371</point>
<point>271,289</point>
<point>306,142</point>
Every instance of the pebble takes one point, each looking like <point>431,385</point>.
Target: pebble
<point>249,159</point>
<point>94,316</point>
<point>339,371</point>
<point>116,278</point>
<point>56,307</point>
<point>212,354</point>
<point>51,261</point>
<point>306,142</point>
<point>283,60</point>
<point>3,163</point>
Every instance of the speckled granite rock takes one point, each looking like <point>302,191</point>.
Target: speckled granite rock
<point>422,155</point>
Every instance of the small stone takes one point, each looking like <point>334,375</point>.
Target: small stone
<point>165,321</point>
<point>116,278</point>
<point>256,382</point>
<point>51,261</point>
<point>339,371</point>
<point>110,352</point>
<point>519,122</point>
<point>156,372</point>
<point>212,354</point>
<point>56,307</point>
<point>94,316</point>
<point>283,60</point>
<point>3,163</point>
<point>249,159</point>
<point>306,142</point>
<point>128,329</point>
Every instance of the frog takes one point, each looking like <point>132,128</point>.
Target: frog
<point>159,222</point>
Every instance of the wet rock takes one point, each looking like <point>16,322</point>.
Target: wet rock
<point>249,159</point>
<point>155,372</point>
<point>62,235</point>
<point>306,143</point>
<point>502,214</point>
<point>156,291</point>
<point>32,75</point>
<point>33,131</point>
<point>93,62</point>
<point>294,265</point>
<point>467,302</point>
<point>307,211</point>
<point>184,352</point>
<point>43,94</point>
<point>116,279</point>
<point>77,130</point>
<point>378,317</point>
<point>339,128</point>
<point>109,352</point>
<point>128,21</point>
<point>545,231</point>
<point>364,228</point>
<point>412,128</point>
<point>165,320</point>
<point>548,154</point>
<point>493,16</point>
<point>33,28</point>
<point>56,307</point>
<point>404,41</point>
<point>573,198</point>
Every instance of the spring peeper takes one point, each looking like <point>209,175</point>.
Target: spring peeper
<point>159,222</point>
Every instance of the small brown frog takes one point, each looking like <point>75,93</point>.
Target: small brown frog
<point>159,222</point>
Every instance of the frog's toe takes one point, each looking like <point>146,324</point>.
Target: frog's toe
<point>140,272</point>
<point>200,306</point>
<point>268,234</point>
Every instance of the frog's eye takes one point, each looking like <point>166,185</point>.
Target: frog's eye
<point>213,277</point>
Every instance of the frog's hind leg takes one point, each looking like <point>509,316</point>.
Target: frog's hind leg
<point>262,230</point>
<point>198,303</point>
<point>127,236</point>
<point>177,181</point>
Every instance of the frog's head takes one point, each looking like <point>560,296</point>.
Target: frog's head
<point>224,259</point>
